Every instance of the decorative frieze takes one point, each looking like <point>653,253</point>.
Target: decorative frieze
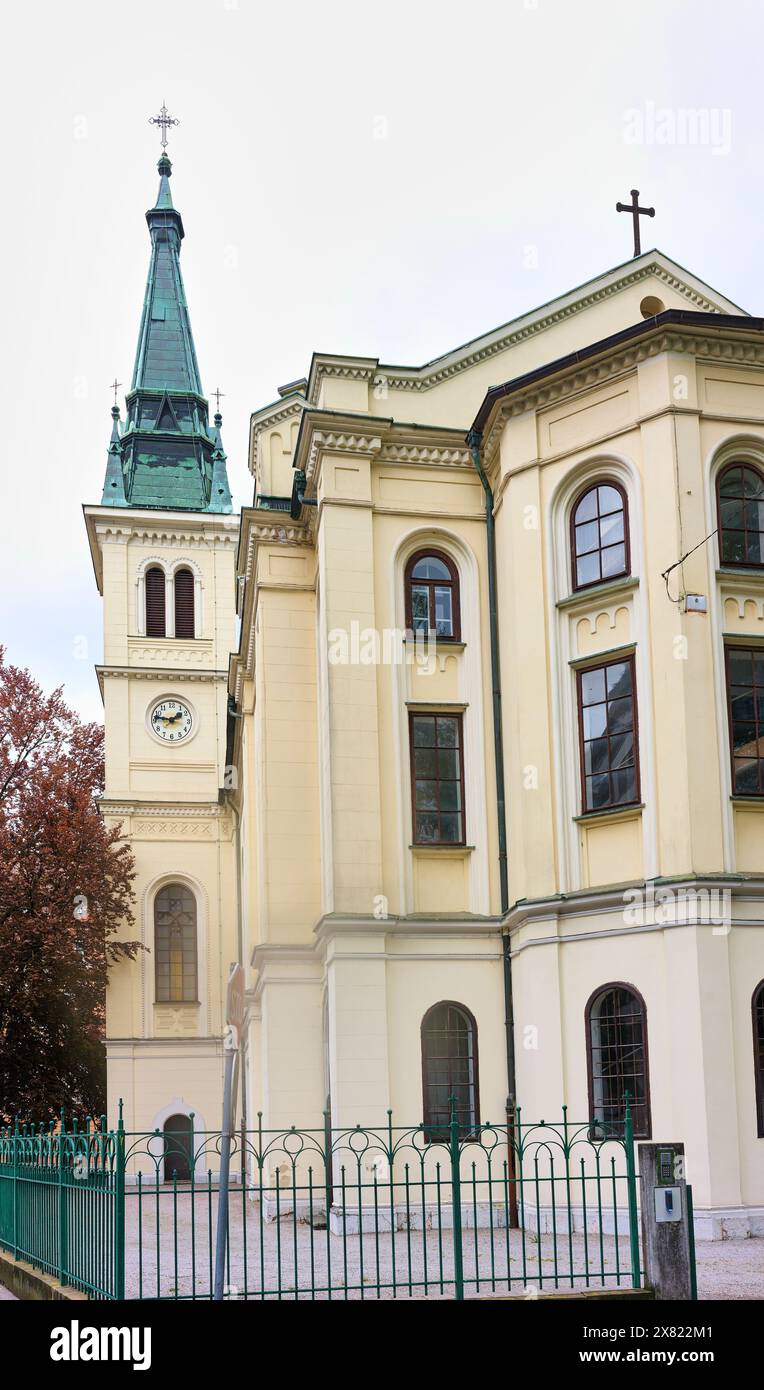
<point>412,453</point>
<point>196,653</point>
<point>176,830</point>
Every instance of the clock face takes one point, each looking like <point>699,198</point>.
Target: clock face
<point>171,720</point>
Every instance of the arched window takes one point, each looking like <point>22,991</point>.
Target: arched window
<point>740,496</point>
<point>599,535</point>
<point>184,603</point>
<point>175,945</point>
<point>449,1068</point>
<point>616,1037</point>
<point>757,1007</point>
<point>156,621</point>
<point>432,594</point>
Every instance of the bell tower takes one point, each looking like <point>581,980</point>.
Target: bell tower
<point>163,542</point>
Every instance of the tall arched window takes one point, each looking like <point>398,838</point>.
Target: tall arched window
<point>175,945</point>
<point>184,603</point>
<point>432,594</point>
<point>616,1036</point>
<point>449,1068</point>
<point>740,496</point>
<point>599,535</point>
<point>156,620</point>
<point>757,1007</point>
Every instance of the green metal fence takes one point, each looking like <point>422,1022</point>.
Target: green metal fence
<point>62,1203</point>
<point>329,1213</point>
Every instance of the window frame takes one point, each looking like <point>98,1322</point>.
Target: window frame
<point>721,473</point>
<point>730,647</point>
<point>647,1106</point>
<point>757,1003</point>
<point>596,665</point>
<point>456,612</point>
<point>193,999</point>
<point>434,1134</point>
<point>436,714</point>
<point>625,573</point>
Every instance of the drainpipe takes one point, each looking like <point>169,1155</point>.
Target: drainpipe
<point>474,441</point>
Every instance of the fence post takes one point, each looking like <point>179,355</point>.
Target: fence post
<point>62,1233</point>
<point>631,1185</point>
<point>328,1159</point>
<point>119,1210</point>
<point>456,1202</point>
<point>15,1190</point>
<point>512,1165</point>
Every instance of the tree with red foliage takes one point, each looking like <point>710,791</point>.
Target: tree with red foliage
<point>65,900</point>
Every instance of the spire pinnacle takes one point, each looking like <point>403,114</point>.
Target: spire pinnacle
<point>168,455</point>
<point>164,196</point>
<point>164,120</point>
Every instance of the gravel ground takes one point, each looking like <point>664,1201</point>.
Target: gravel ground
<point>407,1264</point>
<point>730,1268</point>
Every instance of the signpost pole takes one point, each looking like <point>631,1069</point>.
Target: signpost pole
<point>234,1022</point>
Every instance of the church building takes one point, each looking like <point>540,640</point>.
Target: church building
<point>454,738</point>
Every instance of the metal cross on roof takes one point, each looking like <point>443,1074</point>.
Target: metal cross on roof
<point>636,212</point>
<point>114,386</point>
<point>219,396</point>
<point>164,120</point>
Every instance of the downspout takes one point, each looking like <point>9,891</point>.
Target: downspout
<point>474,441</point>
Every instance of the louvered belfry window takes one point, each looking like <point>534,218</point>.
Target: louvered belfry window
<point>155,603</point>
<point>184,603</point>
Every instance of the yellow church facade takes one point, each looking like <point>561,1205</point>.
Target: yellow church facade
<point>455,737</point>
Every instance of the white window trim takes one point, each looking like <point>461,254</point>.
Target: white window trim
<point>747,448</point>
<point>566,754</point>
<point>169,569</point>
<point>473,719</point>
<point>148,978</point>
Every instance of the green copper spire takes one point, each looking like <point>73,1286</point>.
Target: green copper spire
<point>168,455</point>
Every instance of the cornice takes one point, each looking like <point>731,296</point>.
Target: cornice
<point>332,925</point>
<point>422,379</point>
<point>729,348</point>
<point>414,453</point>
<point>114,533</point>
<point>196,810</point>
<point>267,419</point>
<point>342,368</point>
<point>339,442</point>
<point>174,674</point>
<point>588,901</point>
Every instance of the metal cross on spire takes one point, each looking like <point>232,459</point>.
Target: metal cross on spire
<point>114,386</point>
<point>219,396</point>
<point>636,212</point>
<point>164,120</point>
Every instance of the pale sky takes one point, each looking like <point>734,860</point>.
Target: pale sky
<point>386,180</point>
